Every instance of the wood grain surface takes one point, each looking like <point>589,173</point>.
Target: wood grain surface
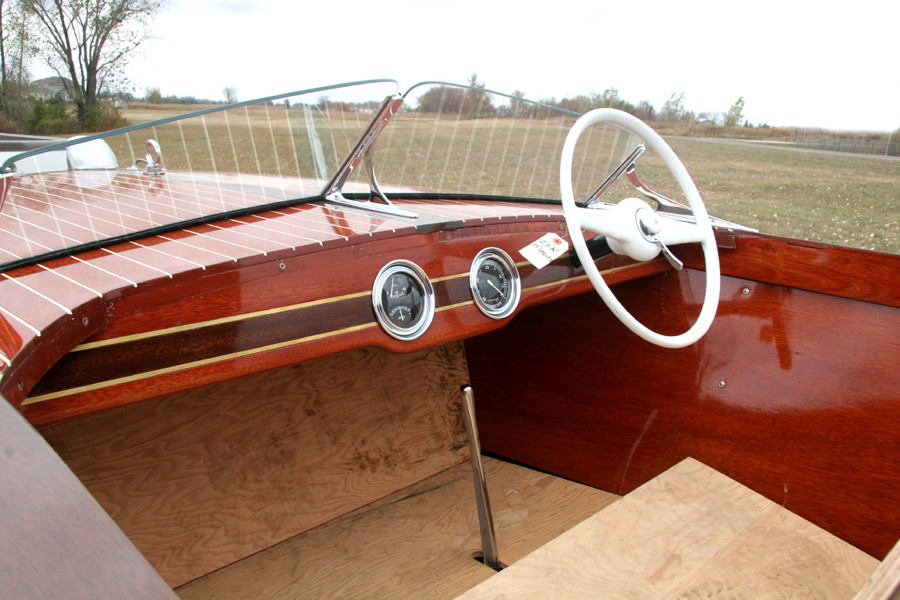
<point>851,273</point>
<point>689,533</point>
<point>885,582</point>
<point>55,540</point>
<point>793,394</point>
<point>416,543</point>
<point>202,479</point>
<point>171,336</point>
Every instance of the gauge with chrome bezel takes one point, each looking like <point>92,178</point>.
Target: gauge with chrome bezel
<point>494,281</point>
<point>403,299</point>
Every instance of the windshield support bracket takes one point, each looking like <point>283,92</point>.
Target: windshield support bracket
<point>664,204</point>
<point>364,151</point>
<point>626,164</point>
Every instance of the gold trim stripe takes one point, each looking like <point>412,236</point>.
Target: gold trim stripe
<point>580,277</point>
<point>234,355</point>
<point>449,277</point>
<point>202,324</point>
<point>452,306</point>
<point>190,365</point>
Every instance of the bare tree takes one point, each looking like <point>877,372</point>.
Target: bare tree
<point>518,108</point>
<point>645,111</point>
<point>230,93</point>
<point>87,42</point>
<point>14,51</point>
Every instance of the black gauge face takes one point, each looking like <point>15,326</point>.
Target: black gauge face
<point>403,299</point>
<point>494,282</point>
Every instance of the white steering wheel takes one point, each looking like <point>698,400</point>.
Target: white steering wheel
<point>632,227</point>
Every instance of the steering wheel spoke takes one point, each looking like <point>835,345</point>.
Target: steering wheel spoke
<point>633,228</point>
<point>678,232</point>
<point>604,221</point>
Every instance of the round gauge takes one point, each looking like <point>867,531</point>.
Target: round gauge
<point>403,299</point>
<point>494,281</point>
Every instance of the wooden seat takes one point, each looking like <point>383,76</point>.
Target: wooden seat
<point>689,533</point>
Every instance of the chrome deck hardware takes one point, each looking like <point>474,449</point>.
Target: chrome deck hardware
<point>365,151</point>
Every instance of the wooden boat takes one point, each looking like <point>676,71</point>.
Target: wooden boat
<point>235,371</point>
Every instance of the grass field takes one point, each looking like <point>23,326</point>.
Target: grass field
<point>850,200</point>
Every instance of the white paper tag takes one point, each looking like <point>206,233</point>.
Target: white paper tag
<point>542,252</point>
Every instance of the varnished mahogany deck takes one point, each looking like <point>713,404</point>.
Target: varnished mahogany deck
<point>271,275</point>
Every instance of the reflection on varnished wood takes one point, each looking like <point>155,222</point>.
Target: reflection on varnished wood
<point>819,437</point>
<point>201,479</point>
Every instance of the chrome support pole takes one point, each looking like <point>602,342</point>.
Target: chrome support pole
<point>485,518</point>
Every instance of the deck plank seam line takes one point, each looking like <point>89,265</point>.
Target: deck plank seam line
<point>63,207</point>
<point>249,235</point>
<point>184,243</point>
<point>275,231</point>
<point>24,239</point>
<point>141,203</point>
<point>259,225</point>
<point>169,212</point>
<point>91,263</point>
<point>36,226</point>
<point>169,255</point>
<point>37,293</point>
<point>96,201</point>
<point>58,274</point>
<point>287,221</point>
<point>20,320</point>
<point>224,241</point>
<point>256,237</point>
<point>137,262</point>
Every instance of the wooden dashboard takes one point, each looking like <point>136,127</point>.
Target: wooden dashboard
<point>177,311</point>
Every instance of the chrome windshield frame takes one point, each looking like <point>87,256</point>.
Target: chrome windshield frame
<point>5,167</point>
<point>364,150</point>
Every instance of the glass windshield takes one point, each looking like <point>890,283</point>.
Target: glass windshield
<point>87,192</point>
<point>458,140</point>
<point>228,161</point>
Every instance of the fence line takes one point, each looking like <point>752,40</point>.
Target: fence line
<point>850,145</point>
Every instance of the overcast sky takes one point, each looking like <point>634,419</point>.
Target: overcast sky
<point>806,64</point>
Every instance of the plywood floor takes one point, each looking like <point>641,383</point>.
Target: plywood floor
<point>419,542</point>
<point>689,533</point>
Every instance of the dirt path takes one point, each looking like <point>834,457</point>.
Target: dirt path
<point>789,146</point>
